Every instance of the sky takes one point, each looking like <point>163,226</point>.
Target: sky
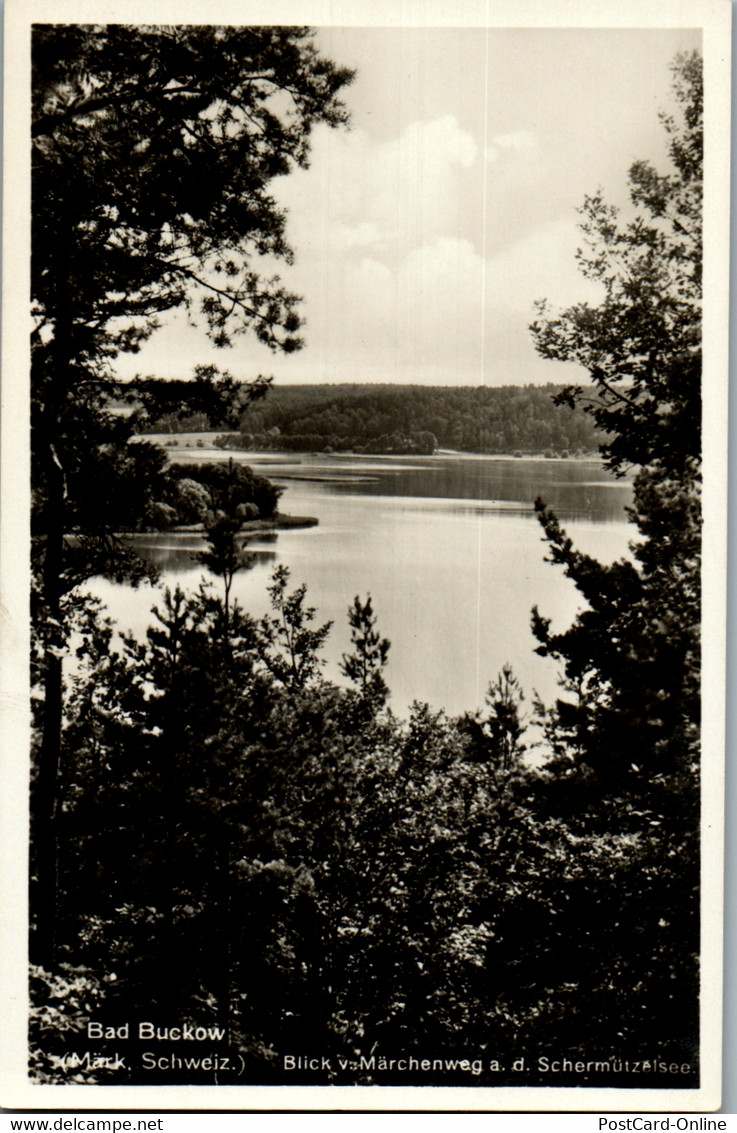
<point>424,233</point>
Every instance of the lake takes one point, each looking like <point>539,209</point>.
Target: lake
<point>448,547</point>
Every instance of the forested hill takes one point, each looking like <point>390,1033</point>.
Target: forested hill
<point>474,419</point>
<point>505,419</point>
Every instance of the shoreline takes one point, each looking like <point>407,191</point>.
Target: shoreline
<point>282,522</point>
<point>189,445</point>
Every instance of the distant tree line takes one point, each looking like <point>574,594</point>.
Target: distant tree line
<point>384,418</point>
<point>398,444</point>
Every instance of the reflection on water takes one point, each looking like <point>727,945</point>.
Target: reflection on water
<point>573,488</point>
<point>176,551</point>
<point>179,560</point>
<point>448,549</point>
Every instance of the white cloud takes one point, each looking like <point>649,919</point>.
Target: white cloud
<point>390,240</point>
<point>519,140</point>
<point>441,312</point>
<point>541,265</point>
<point>345,236</point>
<point>438,313</point>
<point>403,191</point>
<point>518,143</point>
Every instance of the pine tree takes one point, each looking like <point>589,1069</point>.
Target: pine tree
<point>625,737</point>
<point>631,659</point>
<point>225,556</point>
<point>153,152</point>
<point>370,651</point>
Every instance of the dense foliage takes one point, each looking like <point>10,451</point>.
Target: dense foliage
<point>250,848</point>
<point>196,492</point>
<point>386,418</point>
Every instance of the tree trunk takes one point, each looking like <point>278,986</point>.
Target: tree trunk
<point>44,812</point>
<point>50,387</point>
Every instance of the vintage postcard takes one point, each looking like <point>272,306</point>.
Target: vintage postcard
<point>364,554</point>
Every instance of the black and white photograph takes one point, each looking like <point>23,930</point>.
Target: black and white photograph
<point>364,554</point>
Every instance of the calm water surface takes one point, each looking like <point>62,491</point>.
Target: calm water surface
<point>448,547</point>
